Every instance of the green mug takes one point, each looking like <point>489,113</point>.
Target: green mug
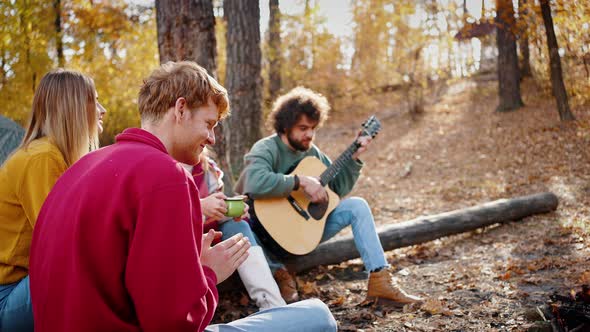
<point>235,206</point>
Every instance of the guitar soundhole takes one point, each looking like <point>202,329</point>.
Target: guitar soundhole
<point>317,210</point>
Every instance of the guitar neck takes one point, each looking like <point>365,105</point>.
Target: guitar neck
<point>330,173</point>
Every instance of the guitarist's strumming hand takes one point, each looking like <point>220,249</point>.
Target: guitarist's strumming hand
<point>364,142</point>
<point>313,189</point>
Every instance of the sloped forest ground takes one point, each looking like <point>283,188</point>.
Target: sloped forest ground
<point>460,152</point>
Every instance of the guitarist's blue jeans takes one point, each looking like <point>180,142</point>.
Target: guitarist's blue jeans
<point>355,211</point>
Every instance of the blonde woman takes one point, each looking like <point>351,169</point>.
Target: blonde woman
<point>64,125</point>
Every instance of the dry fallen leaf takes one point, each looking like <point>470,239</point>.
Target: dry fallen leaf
<point>585,278</point>
<point>309,287</point>
<point>244,300</point>
<point>338,302</point>
<point>435,307</point>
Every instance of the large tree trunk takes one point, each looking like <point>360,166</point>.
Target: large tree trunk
<point>243,79</point>
<point>508,73</point>
<point>555,63</point>
<point>274,52</point>
<point>429,228</point>
<point>186,31</point>
<point>523,43</point>
<point>58,34</point>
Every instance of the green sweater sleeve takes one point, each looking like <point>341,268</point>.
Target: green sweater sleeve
<point>258,179</point>
<point>343,183</point>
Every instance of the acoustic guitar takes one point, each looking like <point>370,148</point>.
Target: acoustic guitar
<point>294,225</point>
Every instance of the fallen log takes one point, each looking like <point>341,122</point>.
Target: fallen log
<point>428,228</point>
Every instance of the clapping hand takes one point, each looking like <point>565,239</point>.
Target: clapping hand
<point>226,256</point>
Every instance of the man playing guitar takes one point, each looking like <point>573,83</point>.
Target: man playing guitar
<point>295,117</point>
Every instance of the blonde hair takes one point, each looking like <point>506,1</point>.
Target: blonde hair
<point>64,109</point>
<point>204,157</point>
<point>173,80</point>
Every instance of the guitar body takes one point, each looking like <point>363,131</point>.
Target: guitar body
<point>284,224</point>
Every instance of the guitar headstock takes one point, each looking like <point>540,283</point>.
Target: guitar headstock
<point>371,127</point>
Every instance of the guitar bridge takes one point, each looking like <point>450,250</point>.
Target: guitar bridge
<point>298,207</point>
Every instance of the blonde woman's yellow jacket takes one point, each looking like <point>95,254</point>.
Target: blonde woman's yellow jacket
<point>26,178</point>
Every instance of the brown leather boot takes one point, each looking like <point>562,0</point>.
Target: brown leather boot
<point>382,286</point>
<point>287,285</point>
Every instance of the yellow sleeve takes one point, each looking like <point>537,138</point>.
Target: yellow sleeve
<point>40,174</point>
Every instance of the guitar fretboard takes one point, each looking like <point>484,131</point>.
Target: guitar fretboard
<point>370,128</point>
<point>330,173</point>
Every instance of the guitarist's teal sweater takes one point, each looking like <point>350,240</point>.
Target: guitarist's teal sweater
<point>268,162</point>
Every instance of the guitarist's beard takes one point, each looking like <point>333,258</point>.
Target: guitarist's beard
<point>298,145</point>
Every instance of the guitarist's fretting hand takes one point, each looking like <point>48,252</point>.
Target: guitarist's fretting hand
<point>364,141</point>
<point>313,189</point>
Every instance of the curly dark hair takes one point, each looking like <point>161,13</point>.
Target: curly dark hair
<point>289,108</point>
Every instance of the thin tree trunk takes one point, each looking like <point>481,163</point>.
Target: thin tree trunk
<point>274,43</point>
<point>186,31</point>
<point>3,71</point>
<point>523,44</point>
<point>585,57</point>
<point>58,34</point>
<point>25,24</point>
<point>508,73</point>
<point>313,40</point>
<point>525,64</point>
<point>464,10</point>
<point>243,79</point>
<point>450,53</point>
<point>309,32</point>
<point>559,91</point>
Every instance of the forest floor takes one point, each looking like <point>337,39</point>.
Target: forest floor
<point>460,152</point>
